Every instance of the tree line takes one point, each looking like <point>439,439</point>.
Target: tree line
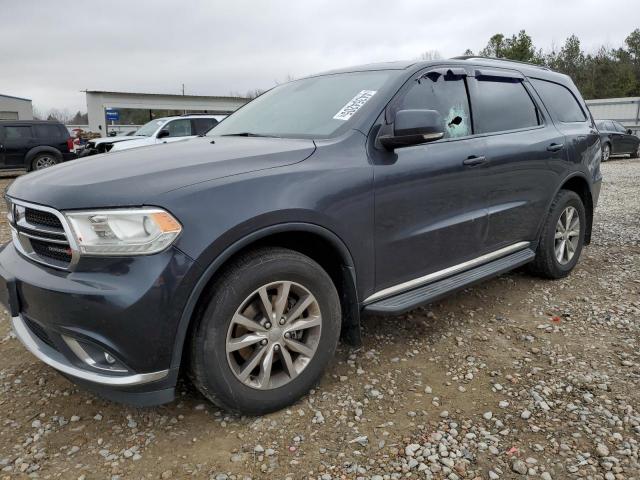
<point>605,73</point>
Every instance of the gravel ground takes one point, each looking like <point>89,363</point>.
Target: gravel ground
<point>515,377</point>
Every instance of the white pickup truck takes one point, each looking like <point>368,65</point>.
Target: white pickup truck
<point>159,130</point>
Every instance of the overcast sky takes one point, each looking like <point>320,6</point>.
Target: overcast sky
<point>50,50</point>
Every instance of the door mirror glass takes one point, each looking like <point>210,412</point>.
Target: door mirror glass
<point>163,133</point>
<point>413,127</point>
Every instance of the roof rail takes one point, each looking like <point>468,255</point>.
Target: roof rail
<point>480,57</point>
<point>192,114</point>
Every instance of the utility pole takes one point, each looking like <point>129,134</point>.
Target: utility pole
<point>183,111</point>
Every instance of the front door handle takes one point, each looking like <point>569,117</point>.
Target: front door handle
<point>474,160</point>
<point>555,147</point>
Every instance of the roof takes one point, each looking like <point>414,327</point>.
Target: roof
<point>167,95</point>
<point>15,98</point>
<point>527,69</point>
<point>31,122</point>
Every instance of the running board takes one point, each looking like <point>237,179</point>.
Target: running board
<point>431,292</point>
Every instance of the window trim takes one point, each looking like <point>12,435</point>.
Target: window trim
<point>540,113</point>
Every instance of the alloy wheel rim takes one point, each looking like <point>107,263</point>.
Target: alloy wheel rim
<point>567,235</point>
<point>605,153</point>
<point>273,335</point>
<point>44,162</point>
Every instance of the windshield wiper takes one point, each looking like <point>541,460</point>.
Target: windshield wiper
<point>248,134</point>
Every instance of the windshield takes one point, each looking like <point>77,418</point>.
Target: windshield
<point>150,128</point>
<point>309,108</point>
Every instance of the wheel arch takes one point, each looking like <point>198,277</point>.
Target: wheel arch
<point>31,154</point>
<point>579,184</point>
<point>317,242</point>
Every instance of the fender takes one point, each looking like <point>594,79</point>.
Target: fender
<point>41,149</point>
<point>351,325</point>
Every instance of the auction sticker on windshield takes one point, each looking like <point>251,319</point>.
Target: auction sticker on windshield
<point>354,105</point>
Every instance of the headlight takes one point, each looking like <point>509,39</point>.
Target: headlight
<point>137,231</point>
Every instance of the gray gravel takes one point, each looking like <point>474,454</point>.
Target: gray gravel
<point>515,378</point>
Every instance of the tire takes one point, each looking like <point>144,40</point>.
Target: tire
<point>44,160</point>
<point>636,154</point>
<point>217,372</point>
<point>546,263</point>
<point>606,152</point>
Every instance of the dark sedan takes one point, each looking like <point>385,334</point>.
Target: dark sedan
<point>617,140</point>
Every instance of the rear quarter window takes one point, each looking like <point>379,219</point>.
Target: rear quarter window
<point>560,101</point>
<point>13,132</point>
<point>502,104</point>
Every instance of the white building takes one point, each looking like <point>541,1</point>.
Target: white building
<point>98,102</point>
<point>624,110</point>
<point>15,108</point>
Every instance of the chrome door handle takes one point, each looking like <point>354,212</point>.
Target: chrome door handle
<point>555,147</point>
<point>474,160</point>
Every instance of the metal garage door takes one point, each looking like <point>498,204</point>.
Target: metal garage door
<point>8,115</point>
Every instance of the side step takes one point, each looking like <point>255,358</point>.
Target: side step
<point>406,301</point>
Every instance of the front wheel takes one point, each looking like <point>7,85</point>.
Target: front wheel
<point>636,154</point>
<point>267,332</point>
<point>606,152</point>
<point>562,237</point>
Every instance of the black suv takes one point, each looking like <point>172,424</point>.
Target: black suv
<point>240,257</point>
<point>617,140</point>
<point>34,144</point>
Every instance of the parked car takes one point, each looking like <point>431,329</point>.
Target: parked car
<point>160,130</point>
<point>34,144</point>
<point>617,140</point>
<point>240,257</point>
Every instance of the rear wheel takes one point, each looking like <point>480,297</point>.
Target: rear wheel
<point>606,152</point>
<point>636,154</point>
<point>562,237</point>
<point>267,332</point>
<point>43,160</point>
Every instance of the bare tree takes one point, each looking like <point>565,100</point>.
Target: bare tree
<point>430,55</point>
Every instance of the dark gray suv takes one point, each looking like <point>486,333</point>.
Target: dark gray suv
<point>241,256</point>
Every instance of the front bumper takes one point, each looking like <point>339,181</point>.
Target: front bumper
<point>128,308</point>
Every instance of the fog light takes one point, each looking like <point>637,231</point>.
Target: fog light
<point>109,359</point>
<point>94,356</point>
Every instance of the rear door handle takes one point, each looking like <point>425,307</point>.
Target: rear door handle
<point>474,160</point>
<point>555,147</point>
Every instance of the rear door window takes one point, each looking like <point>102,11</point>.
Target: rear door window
<point>47,131</point>
<point>560,101</point>
<point>203,125</point>
<point>445,93</point>
<point>16,132</point>
<point>502,104</point>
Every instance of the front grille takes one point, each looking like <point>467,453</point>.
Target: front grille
<point>38,233</point>
<point>39,332</point>
<point>39,217</point>
<point>53,251</point>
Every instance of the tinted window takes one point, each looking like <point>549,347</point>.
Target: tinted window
<point>560,101</point>
<point>46,131</point>
<point>447,95</point>
<point>503,104</point>
<point>203,125</point>
<point>179,128</point>
<point>13,132</point>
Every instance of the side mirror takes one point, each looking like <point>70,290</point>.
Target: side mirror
<point>413,127</point>
<point>629,131</point>
<point>163,133</point>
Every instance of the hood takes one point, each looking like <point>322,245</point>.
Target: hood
<point>135,177</point>
<point>144,141</point>
<point>120,138</point>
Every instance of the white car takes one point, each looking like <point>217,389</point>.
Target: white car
<point>159,130</point>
